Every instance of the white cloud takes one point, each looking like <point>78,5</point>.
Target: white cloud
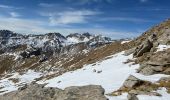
<point>67,19</point>
<point>14,14</point>
<point>70,17</point>
<point>9,7</point>
<point>5,6</point>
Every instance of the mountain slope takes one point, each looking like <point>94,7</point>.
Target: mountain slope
<point>126,70</point>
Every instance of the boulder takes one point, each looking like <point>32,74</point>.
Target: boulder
<point>39,92</point>
<point>132,97</point>
<point>145,47</point>
<point>147,69</point>
<point>131,82</point>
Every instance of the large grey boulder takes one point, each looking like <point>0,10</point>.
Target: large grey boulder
<point>147,69</point>
<point>131,82</point>
<point>145,47</point>
<point>39,92</point>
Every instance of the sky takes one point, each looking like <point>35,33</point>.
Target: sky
<point>113,18</point>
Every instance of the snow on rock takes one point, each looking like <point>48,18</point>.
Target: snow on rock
<point>151,78</point>
<point>125,41</point>
<point>163,92</point>
<point>120,97</point>
<point>162,47</point>
<point>7,85</point>
<point>110,74</point>
<point>16,55</point>
<point>76,40</point>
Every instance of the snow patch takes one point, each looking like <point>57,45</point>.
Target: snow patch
<point>7,85</point>
<point>163,92</point>
<point>151,78</point>
<point>125,41</point>
<point>162,47</point>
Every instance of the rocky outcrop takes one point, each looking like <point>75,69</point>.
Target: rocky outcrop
<point>134,86</point>
<point>151,61</point>
<point>39,92</point>
<point>145,47</point>
<point>29,52</point>
<point>158,63</point>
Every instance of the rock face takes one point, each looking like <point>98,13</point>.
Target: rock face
<point>153,58</point>
<point>145,47</point>
<point>39,92</point>
<point>158,63</point>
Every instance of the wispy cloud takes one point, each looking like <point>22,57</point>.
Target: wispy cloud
<point>21,25</point>
<point>67,19</point>
<point>9,7</point>
<point>70,17</point>
<point>5,6</point>
<point>14,14</point>
<point>89,1</point>
<point>129,19</point>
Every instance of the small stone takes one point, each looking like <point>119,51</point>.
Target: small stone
<point>132,97</point>
<point>99,71</point>
<point>94,70</point>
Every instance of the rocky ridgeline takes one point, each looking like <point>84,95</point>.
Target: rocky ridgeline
<point>47,42</point>
<point>151,60</point>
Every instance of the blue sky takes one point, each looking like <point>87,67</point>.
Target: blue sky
<point>114,18</point>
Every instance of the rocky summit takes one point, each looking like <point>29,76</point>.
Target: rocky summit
<point>85,66</point>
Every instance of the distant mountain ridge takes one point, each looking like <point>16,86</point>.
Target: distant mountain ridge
<point>8,38</point>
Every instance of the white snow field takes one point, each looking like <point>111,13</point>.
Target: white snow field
<point>110,74</point>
